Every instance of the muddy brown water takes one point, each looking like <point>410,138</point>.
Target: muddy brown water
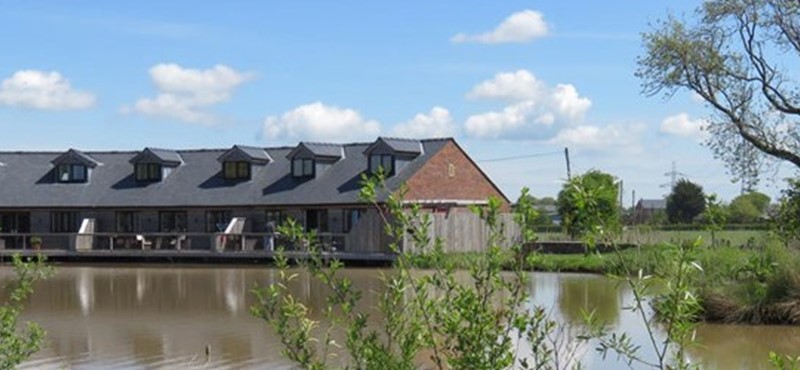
<point>144,317</point>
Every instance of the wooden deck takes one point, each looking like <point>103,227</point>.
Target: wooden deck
<point>190,256</point>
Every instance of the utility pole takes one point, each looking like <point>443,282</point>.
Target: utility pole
<point>566,155</point>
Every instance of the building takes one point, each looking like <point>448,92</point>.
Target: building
<point>646,209</point>
<point>224,199</point>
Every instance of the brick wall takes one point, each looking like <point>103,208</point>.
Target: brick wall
<point>450,174</point>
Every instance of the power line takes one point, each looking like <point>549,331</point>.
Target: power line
<point>501,159</point>
<point>673,176</point>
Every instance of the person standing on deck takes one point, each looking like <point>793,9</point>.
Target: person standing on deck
<point>269,239</point>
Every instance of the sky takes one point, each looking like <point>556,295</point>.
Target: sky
<point>514,82</point>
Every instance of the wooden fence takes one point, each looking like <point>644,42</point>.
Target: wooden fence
<point>465,232</point>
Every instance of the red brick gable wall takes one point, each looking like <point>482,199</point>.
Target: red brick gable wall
<point>450,174</point>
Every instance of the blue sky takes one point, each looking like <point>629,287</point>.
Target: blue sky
<point>506,79</point>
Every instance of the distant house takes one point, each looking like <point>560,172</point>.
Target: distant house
<point>551,211</point>
<point>647,208</point>
<point>196,199</point>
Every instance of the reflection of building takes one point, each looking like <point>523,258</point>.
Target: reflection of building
<point>220,199</point>
<point>647,209</point>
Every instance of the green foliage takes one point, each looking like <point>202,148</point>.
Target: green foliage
<point>17,346</point>
<point>714,217</point>
<point>736,55</point>
<point>588,201</point>
<point>676,302</point>
<point>685,202</point>
<point>439,319</point>
<point>748,208</point>
<point>475,323</point>
<point>786,224</point>
<point>784,362</point>
<point>542,219</point>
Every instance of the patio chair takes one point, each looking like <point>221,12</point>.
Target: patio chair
<point>143,242</point>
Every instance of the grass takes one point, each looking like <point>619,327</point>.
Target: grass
<point>751,283</point>
<point>649,236</point>
<point>644,257</point>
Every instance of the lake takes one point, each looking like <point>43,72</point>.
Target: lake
<point>162,316</point>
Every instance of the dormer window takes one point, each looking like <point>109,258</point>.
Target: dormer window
<point>391,154</point>
<point>236,170</point>
<point>73,166</point>
<point>240,162</point>
<point>72,173</point>
<point>302,167</point>
<point>154,165</point>
<point>312,159</point>
<point>381,161</point>
<point>148,172</point>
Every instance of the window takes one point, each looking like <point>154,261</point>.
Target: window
<point>217,221</point>
<point>302,167</point>
<point>275,216</point>
<point>15,222</point>
<point>127,222</point>
<point>317,219</point>
<point>385,161</point>
<point>272,219</point>
<point>148,172</point>
<point>350,217</point>
<point>64,222</point>
<point>172,221</point>
<point>236,170</point>
<point>71,173</point>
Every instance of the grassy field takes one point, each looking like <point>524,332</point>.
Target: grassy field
<point>643,236</point>
<point>752,280</point>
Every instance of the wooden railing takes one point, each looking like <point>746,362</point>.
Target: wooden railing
<point>177,241</point>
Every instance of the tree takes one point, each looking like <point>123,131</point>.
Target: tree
<point>480,320</point>
<point>714,217</point>
<point>737,56</point>
<point>541,206</point>
<point>587,201</point>
<point>444,322</point>
<point>786,224</point>
<point>748,207</point>
<point>686,202</point>
<point>16,346</point>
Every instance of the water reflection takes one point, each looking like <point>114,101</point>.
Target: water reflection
<point>578,295</point>
<point>165,317</point>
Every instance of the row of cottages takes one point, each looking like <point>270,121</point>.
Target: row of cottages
<point>228,199</point>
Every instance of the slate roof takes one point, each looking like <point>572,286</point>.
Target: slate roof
<point>249,153</point>
<point>652,204</point>
<point>257,154</point>
<point>324,149</point>
<point>403,145</point>
<point>74,156</point>
<point>27,180</point>
<point>166,155</point>
<point>163,156</point>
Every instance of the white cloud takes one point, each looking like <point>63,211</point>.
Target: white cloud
<point>682,125</point>
<point>611,137</point>
<point>568,103</point>
<point>508,123</point>
<point>537,110</point>
<point>186,94</point>
<point>320,122</point>
<point>43,90</point>
<point>437,123</point>
<point>522,26</point>
<point>512,86</point>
